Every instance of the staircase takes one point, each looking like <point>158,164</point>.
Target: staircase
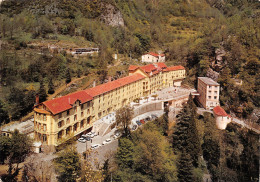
<point>104,129</point>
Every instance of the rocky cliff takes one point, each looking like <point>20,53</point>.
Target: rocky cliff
<point>112,16</point>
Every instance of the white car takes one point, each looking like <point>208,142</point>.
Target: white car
<point>95,146</point>
<point>91,135</point>
<point>82,140</point>
<point>106,141</point>
<point>117,135</point>
<point>84,136</point>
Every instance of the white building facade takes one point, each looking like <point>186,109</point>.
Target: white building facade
<point>153,58</point>
<point>208,91</point>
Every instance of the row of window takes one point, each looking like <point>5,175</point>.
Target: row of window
<point>75,109</point>
<point>40,127</point>
<point>41,137</point>
<point>215,97</point>
<point>75,127</point>
<point>40,116</point>
<point>215,92</point>
<point>62,122</point>
<point>213,87</point>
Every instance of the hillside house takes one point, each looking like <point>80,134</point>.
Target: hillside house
<point>152,57</point>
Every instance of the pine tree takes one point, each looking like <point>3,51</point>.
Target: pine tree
<point>51,87</point>
<point>68,77</point>
<point>185,167</point>
<point>192,106</point>
<point>68,165</point>
<point>185,136</point>
<point>164,121</point>
<point>125,153</point>
<point>42,92</point>
<point>78,73</point>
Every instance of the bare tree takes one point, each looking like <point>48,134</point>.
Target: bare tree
<point>38,170</point>
<point>123,118</point>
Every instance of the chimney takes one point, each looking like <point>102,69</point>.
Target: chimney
<point>37,99</point>
<point>94,83</point>
<point>109,78</point>
<point>69,100</point>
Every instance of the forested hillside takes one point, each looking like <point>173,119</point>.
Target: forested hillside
<point>220,39</point>
<point>215,38</point>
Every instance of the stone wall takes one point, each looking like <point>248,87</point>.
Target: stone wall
<point>148,108</point>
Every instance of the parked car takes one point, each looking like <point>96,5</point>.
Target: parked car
<point>83,140</point>
<point>138,123</point>
<point>134,127</point>
<point>93,133</point>
<point>86,137</point>
<point>148,118</point>
<point>106,141</point>
<point>95,146</point>
<point>142,121</point>
<point>117,134</point>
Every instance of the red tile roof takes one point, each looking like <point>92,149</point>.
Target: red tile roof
<point>132,67</point>
<point>155,54</point>
<point>100,89</point>
<point>161,65</point>
<point>220,111</point>
<point>148,68</point>
<point>65,102</point>
<point>174,68</point>
<point>41,111</point>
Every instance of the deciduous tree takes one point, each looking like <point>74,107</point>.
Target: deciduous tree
<point>15,149</point>
<point>124,116</point>
<point>4,118</point>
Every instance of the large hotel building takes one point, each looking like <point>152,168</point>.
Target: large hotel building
<point>62,118</point>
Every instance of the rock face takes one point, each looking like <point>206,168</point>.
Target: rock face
<point>218,63</point>
<point>212,74</point>
<point>112,16</point>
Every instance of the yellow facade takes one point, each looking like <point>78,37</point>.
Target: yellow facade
<point>53,128</point>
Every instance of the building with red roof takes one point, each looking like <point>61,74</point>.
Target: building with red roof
<point>222,118</point>
<point>161,65</point>
<point>174,68</point>
<point>152,57</point>
<point>59,119</point>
